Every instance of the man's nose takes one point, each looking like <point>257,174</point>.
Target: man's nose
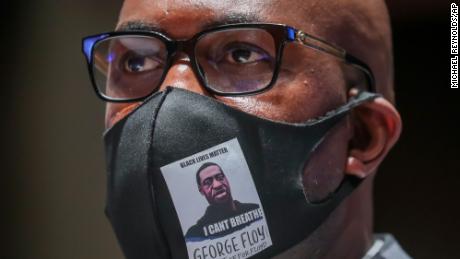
<point>181,75</point>
<point>216,184</point>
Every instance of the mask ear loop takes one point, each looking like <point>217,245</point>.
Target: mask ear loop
<point>361,97</point>
<point>160,234</point>
<point>349,182</point>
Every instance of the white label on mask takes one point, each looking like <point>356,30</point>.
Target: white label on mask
<point>218,206</point>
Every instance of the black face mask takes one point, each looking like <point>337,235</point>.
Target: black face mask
<point>183,130</point>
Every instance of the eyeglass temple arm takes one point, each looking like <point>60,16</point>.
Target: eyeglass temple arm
<point>321,45</point>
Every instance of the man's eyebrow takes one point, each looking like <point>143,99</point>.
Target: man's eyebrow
<point>229,18</point>
<point>232,18</point>
<point>139,26</point>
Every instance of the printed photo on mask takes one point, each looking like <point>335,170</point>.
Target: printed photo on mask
<point>217,203</point>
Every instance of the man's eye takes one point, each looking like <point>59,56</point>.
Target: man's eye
<point>245,55</point>
<point>207,182</point>
<point>138,64</point>
<point>219,177</point>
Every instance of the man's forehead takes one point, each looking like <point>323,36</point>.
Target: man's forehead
<point>360,27</point>
<point>171,16</point>
<point>210,171</point>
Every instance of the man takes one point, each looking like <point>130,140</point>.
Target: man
<point>213,184</point>
<point>310,85</point>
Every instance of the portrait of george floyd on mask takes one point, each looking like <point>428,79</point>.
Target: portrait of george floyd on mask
<point>160,129</point>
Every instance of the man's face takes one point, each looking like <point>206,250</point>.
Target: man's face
<point>214,185</point>
<point>308,89</point>
<point>306,93</point>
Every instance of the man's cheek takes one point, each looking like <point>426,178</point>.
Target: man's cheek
<point>117,111</point>
<point>208,193</point>
<point>325,171</point>
<point>295,100</point>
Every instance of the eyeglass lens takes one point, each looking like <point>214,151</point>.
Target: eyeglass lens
<point>229,61</point>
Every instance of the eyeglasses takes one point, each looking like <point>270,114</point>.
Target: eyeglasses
<point>229,60</point>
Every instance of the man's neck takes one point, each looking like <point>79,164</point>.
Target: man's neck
<point>355,220</point>
<point>230,205</point>
<point>346,233</point>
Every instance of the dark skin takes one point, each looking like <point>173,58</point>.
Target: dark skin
<point>215,187</point>
<point>356,146</point>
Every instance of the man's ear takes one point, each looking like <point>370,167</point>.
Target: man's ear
<point>200,190</point>
<point>377,126</point>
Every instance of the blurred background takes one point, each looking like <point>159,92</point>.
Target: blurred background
<point>52,167</point>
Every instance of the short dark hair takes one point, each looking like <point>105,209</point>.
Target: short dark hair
<point>202,167</point>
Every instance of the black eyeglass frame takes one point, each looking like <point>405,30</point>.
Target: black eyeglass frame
<point>281,34</point>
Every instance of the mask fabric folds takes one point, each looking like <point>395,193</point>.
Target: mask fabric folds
<point>153,156</point>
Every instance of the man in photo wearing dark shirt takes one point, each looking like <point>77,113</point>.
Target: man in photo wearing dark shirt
<point>214,186</point>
